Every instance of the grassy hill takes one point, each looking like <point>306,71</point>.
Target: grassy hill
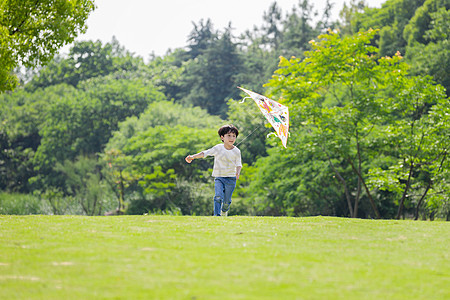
<point>168,257</point>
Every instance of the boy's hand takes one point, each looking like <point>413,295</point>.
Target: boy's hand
<point>189,159</point>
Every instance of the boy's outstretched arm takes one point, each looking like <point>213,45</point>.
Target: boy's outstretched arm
<point>190,158</point>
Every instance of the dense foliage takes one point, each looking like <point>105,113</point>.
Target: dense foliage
<point>99,129</point>
<point>32,32</point>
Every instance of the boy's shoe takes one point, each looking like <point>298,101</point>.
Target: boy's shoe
<point>224,213</point>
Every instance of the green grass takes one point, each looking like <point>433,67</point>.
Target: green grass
<point>168,257</point>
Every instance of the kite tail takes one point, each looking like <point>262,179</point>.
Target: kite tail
<point>243,100</point>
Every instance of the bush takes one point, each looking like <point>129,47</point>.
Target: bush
<point>20,204</point>
<point>185,198</point>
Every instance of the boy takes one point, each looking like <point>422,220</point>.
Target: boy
<point>226,170</point>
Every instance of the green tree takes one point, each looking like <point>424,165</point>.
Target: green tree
<point>391,19</point>
<point>292,182</point>
<point>157,162</point>
<point>201,38</point>
<point>418,139</point>
<point>272,27</point>
<point>347,13</point>
<point>84,182</point>
<point>31,32</point>
<point>326,21</point>
<point>422,20</point>
<point>338,104</point>
<point>162,113</point>
<point>86,59</point>
<point>116,176</point>
<point>342,94</point>
<point>298,29</point>
<point>166,72</point>
<point>82,124</point>
<point>210,77</point>
<point>152,150</point>
<point>23,115</point>
<point>428,36</point>
<point>416,28</point>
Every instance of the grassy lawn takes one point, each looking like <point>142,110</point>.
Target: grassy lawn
<point>168,257</point>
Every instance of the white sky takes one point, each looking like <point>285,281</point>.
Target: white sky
<point>146,26</point>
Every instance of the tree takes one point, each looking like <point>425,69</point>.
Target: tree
<point>341,102</point>
<point>428,35</point>
<point>209,79</point>
<point>23,115</point>
<point>292,182</point>
<point>347,13</point>
<point>343,95</point>
<point>418,139</point>
<point>152,149</point>
<point>82,123</point>
<point>117,178</point>
<point>85,183</point>
<point>31,32</point>
<point>86,59</point>
<point>422,20</point>
<point>298,30</point>
<point>201,38</point>
<point>166,72</point>
<point>391,19</point>
<point>271,29</point>
<point>93,89</point>
<point>416,28</point>
<point>326,23</point>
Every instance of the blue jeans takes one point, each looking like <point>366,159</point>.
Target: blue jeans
<point>224,187</point>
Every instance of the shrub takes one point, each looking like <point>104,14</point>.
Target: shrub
<point>20,204</point>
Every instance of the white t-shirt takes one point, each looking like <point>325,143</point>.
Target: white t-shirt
<point>225,161</point>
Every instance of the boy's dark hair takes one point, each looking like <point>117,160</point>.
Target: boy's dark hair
<point>227,129</point>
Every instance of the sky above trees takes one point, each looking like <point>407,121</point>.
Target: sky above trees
<point>144,27</point>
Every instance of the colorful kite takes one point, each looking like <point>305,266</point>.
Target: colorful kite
<point>276,113</point>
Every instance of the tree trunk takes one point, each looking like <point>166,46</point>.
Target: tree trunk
<point>347,194</point>
<point>402,200</point>
<point>416,217</point>
<point>374,207</point>
<point>342,180</point>
<point>122,194</point>
<point>358,193</point>
<point>428,187</point>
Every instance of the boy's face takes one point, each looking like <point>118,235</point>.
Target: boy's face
<point>229,138</point>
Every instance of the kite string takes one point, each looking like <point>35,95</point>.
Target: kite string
<point>243,100</point>
<point>249,134</point>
